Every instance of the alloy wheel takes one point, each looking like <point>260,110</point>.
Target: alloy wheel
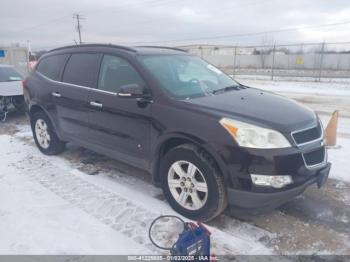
<point>187,185</point>
<point>42,133</point>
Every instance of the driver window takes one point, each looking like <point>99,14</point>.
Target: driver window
<point>116,72</point>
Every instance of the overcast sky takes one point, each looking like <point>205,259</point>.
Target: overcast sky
<point>48,24</point>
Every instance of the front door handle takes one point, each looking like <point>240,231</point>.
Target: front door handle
<point>144,100</point>
<point>56,94</point>
<point>96,104</point>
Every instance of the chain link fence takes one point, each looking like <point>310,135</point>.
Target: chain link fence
<point>315,61</point>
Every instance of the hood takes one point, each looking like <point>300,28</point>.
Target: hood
<point>259,107</point>
<point>11,88</point>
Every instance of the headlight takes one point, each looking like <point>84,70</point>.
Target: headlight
<point>248,135</point>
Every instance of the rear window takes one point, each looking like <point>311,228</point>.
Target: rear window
<point>51,66</point>
<point>82,69</point>
<point>9,74</point>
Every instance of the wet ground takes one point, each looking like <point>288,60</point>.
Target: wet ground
<point>316,222</point>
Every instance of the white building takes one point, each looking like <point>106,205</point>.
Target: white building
<point>202,50</point>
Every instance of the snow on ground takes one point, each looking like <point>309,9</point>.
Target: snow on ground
<point>87,214</point>
<point>335,88</point>
<point>32,217</point>
<point>339,157</point>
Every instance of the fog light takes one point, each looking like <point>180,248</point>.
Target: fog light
<point>273,181</point>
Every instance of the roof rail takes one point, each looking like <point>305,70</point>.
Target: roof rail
<point>163,47</point>
<point>96,45</point>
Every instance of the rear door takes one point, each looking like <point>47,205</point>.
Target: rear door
<point>119,126</point>
<point>46,81</point>
<point>71,96</point>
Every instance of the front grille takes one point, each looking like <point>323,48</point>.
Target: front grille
<point>308,135</point>
<point>315,157</point>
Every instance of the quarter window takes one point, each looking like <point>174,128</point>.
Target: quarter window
<point>116,72</point>
<point>82,70</point>
<point>51,66</point>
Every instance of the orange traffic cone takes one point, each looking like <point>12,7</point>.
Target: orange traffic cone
<point>331,129</point>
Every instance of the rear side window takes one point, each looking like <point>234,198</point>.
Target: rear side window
<point>82,69</point>
<point>51,66</point>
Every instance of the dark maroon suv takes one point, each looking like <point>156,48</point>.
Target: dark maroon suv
<point>207,140</point>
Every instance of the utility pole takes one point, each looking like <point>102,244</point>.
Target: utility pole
<point>79,17</point>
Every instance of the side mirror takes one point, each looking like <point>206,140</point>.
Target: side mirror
<point>131,90</point>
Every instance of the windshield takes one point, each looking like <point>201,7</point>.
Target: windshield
<point>9,74</point>
<point>186,76</point>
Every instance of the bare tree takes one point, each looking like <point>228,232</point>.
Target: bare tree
<point>267,43</point>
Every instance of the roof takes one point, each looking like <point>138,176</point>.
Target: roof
<point>142,50</point>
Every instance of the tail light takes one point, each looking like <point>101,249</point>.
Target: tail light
<point>26,92</point>
<point>24,83</point>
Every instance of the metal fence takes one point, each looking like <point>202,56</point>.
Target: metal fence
<point>16,56</point>
<point>316,60</point>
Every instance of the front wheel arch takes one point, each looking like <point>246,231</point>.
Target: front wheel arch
<point>179,139</point>
<point>216,196</point>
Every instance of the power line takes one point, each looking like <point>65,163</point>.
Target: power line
<point>78,17</point>
<point>148,22</point>
<point>277,45</point>
<point>120,8</point>
<point>245,34</point>
<point>91,11</point>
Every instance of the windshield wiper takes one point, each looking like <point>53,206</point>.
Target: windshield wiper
<point>225,89</point>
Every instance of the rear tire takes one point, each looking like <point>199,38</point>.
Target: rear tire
<point>44,135</point>
<point>192,183</point>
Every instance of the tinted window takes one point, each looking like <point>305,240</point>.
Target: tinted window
<point>82,69</point>
<point>9,74</point>
<point>51,66</point>
<point>116,72</point>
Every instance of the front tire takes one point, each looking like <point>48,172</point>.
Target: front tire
<point>45,136</point>
<point>192,184</point>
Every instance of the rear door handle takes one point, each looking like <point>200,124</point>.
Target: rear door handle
<point>56,94</point>
<point>96,104</point>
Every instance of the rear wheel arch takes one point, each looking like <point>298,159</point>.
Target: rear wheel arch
<point>36,108</point>
<point>44,133</point>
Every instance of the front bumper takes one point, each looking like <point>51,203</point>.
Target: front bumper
<point>254,202</point>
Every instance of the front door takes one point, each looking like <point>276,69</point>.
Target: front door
<point>71,96</point>
<point>119,126</point>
